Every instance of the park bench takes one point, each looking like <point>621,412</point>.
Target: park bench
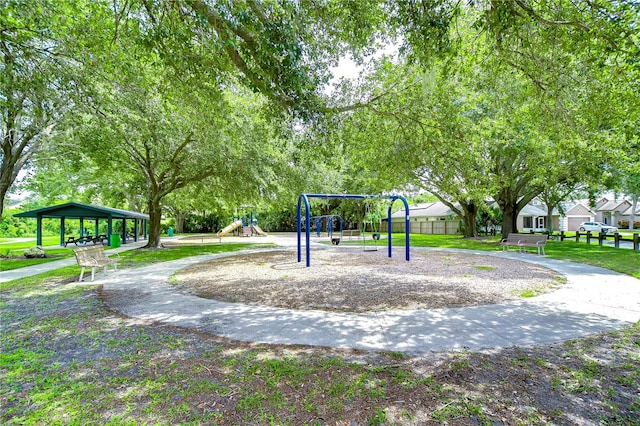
<point>521,241</point>
<point>94,257</point>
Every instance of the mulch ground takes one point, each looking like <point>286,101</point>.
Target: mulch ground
<point>350,280</point>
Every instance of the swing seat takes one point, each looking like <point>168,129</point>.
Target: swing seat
<point>335,241</point>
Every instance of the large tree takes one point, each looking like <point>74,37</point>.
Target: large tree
<point>36,78</point>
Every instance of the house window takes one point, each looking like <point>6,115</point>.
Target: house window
<point>527,222</point>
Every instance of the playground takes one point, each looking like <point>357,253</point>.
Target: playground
<point>348,279</point>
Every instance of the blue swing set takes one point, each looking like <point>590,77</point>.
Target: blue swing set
<point>304,198</point>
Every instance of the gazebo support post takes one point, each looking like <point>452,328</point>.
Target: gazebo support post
<point>124,231</point>
<point>62,231</point>
<point>109,229</point>
<point>39,230</point>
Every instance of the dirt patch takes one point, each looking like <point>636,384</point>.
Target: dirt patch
<point>350,280</point>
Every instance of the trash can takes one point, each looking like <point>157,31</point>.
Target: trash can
<point>115,241</point>
<point>170,232</point>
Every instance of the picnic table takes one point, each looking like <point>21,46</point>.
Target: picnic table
<point>95,239</point>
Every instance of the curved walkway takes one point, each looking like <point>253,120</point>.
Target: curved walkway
<point>593,300</point>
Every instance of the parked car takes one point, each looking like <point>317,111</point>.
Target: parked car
<point>597,227</point>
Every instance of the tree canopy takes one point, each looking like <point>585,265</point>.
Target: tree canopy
<point>484,99</point>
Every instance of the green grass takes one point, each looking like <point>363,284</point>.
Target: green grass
<point>66,359</point>
<point>10,248</point>
<point>8,263</point>
<point>625,261</point>
<point>48,240</point>
<point>140,257</point>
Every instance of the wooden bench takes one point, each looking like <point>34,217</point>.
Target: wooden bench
<point>94,257</point>
<point>525,240</point>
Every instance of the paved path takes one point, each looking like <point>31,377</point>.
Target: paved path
<point>593,300</point>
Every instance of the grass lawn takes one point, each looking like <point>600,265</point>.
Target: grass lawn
<point>67,359</point>
<point>10,243</point>
<point>625,261</point>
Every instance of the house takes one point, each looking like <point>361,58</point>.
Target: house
<point>610,212</point>
<point>626,215</point>
<point>438,218</point>
<point>575,213</point>
<point>429,218</point>
<point>533,217</point>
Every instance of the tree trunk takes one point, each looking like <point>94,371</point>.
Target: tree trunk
<point>469,219</point>
<point>155,215</point>
<point>634,206</point>
<point>180,216</point>
<point>550,219</point>
<point>4,188</point>
<point>470,226</point>
<point>509,219</point>
<point>8,173</point>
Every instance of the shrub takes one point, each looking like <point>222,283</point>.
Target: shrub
<point>624,224</point>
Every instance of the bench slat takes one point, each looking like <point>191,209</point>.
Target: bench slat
<point>525,240</point>
<point>93,257</point>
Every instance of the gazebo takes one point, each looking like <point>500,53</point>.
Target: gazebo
<point>89,212</point>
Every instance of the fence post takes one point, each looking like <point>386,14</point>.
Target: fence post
<point>616,238</point>
<point>577,236</point>
<point>601,237</point>
<point>636,242</point>
<point>588,237</point>
<point>561,235</point>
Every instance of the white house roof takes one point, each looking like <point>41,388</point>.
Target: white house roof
<point>614,205</point>
<point>535,211</point>
<point>434,209</point>
<point>574,208</point>
<point>628,211</point>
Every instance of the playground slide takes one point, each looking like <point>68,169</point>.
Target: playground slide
<point>258,230</point>
<point>235,225</point>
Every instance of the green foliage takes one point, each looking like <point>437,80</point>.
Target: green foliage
<point>36,78</point>
<point>13,227</point>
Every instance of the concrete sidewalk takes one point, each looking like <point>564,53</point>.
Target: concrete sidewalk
<point>593,300</point>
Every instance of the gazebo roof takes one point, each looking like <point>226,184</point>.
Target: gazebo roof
<point>86,211</point>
